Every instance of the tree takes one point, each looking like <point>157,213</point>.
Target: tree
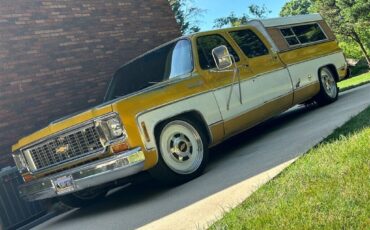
<point>234,20</point>
<point>186,15</point>
<point>296,7</point>
<point>259,11</point>
<point>349,19</point>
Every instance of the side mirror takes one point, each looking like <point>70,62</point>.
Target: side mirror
<point>222,57</point>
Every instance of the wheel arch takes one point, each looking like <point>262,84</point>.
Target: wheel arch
<point>202,108</point>
<point>332,68</point>
<point>192,115</point>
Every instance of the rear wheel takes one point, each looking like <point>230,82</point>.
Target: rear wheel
<point>328,87</point>
<point>183,152</point>
<point>83,198</point>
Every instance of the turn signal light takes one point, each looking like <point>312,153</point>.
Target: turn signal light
<point>146,134</point>
<point>27,177</point>
<point>119,147</point>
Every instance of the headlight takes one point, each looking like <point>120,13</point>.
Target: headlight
<point>20,162</point>
<point>111,127</point>
<point>115,127</point>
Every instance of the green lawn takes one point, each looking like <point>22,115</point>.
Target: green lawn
<point>354,82</point>
<point>327,188</point>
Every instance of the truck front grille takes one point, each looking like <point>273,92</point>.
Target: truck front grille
<point>63,148</point>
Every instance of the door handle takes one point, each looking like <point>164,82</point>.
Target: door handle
<point>243,66</point>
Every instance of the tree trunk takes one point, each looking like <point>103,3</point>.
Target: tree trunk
<point>358,40</point>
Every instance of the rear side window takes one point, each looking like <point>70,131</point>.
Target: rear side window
<point>206,44</point>
<point>250,43</point>
<point>303,34</point>
<point>179,60</point>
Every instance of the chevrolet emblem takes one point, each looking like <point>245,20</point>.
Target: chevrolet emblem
<point>62,149</point>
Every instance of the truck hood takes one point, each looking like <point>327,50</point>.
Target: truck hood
<point>80,117</point>
<point>63,123</point>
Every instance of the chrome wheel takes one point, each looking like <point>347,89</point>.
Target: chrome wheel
<point>328,83</point>
<point>181,147</point>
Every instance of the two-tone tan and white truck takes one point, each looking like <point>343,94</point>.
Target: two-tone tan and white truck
<point>165,108</point>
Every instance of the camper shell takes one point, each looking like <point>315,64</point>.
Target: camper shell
<point>273,29</point>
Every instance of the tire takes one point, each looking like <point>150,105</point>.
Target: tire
<point>328,87</point>
<point>83,198</point>
<point>182,152</point>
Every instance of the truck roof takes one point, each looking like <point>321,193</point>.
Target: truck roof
<point>297,19</point>
<point>263,24</point>
<point>272,22</point>
<point>259,24</point>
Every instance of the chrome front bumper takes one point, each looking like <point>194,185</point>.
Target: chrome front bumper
<point>89,175</point>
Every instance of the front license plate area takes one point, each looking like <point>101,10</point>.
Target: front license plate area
<point>63,184</point>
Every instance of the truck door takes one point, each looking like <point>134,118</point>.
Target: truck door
<point>265,83</point>
<point>220,81</point>
<point>268,89</point>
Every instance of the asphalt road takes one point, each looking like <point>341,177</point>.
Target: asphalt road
<point>241,158</point>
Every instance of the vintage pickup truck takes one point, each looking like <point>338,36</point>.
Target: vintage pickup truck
<point>164,109</point>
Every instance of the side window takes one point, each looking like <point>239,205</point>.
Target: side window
<point>303,34</point>
<point>205,44</point>
<point>250,43</point>
<point>289,36</point>
<point>180,60</point>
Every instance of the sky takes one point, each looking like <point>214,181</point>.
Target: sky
<point>222,8</point>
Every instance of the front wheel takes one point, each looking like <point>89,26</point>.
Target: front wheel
<point>328,87</point>
<point>182,150</point>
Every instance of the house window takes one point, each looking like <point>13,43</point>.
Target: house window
<point>303,34</point>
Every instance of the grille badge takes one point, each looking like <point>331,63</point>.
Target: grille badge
<point>63,149</point>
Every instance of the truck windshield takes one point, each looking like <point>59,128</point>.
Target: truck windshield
<point>169,61</point>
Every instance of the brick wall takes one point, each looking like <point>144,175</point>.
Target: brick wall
<point>57,56</point>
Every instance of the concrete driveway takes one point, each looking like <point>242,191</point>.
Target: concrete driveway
<point>236,169</point>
